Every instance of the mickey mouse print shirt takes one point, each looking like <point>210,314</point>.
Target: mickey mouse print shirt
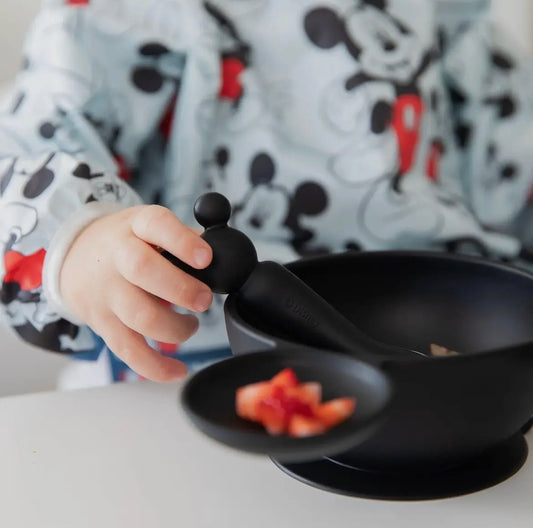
<point>330,125</point>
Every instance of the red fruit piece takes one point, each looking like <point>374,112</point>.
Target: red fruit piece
<point>286,378</point>
<point>277,409</point>
<point>308,393</point>
<point>249,397</point>
<point>272,416</point>
<point>335,411</point>
<point>284,405</point>
<point>303,426</point>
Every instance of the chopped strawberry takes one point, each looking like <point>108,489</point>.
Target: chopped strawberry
<point>309,393</point>
<point>303,426</point>
<point>335,411</point>
<point>284,405</point>
<point>286,378</point>
<point>313,390</point>
<point>276,410</point>
<point>272,416</point>
<point>249,397</point>
<point>293,404</point>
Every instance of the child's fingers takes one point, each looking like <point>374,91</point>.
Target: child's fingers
<point>143,266</point>
<point>133,349</point>
<point>160,227</point>
<point>148,316</point>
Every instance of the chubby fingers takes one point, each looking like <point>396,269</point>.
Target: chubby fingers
<point>144,267</point>
<point>158,226</point>
<point>133,349</point>
<point>148,316</point>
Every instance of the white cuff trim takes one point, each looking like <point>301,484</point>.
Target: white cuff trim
<point>59,246</point>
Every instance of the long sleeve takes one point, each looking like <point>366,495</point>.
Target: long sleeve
<point>492,90</point>
<point>92,91</point>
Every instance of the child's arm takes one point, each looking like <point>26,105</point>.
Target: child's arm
<point>77,244</point>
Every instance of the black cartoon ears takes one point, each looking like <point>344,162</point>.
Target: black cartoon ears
<point>147,78</point>
<point>262,169</point>
<point>310,199</point>
<point>324,28</point>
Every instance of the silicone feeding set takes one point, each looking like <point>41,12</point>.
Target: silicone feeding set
<point>358,327</point>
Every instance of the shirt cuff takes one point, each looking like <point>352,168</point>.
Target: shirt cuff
<point>59,247</point>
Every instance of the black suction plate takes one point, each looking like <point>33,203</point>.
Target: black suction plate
<point>488,469</point>
<point>209,400</point>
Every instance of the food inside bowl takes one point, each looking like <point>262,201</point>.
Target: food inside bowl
<point>284,405</point>
<point>440,351</point>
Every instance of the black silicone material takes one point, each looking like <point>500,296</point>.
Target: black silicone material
<point>209,400</point>
<point>444,410</point>
<point>377,309</point>
<point>234,255</point>
<point>484,471</point>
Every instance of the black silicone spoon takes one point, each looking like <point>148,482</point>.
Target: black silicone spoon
<point>273,292</point>
<point>209,400</point>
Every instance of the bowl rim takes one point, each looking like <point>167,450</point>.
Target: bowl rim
<point>231,311</point>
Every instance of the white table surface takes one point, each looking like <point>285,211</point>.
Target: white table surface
<point>126,456</point>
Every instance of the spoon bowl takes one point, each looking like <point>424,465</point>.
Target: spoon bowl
<point>209,400</point>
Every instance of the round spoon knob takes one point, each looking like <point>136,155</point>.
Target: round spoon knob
<point>212,210</point>
<point>234,255</point>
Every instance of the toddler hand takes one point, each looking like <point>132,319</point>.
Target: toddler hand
<point>114,279</point>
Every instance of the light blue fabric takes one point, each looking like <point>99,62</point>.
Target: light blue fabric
<point>368,124</point>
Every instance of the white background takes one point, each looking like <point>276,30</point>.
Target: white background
<point>23,369</point>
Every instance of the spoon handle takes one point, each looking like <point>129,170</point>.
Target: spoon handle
<point>275,294</point>
<point>272,293</point>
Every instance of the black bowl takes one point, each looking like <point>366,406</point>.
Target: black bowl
<point>445,410</point>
